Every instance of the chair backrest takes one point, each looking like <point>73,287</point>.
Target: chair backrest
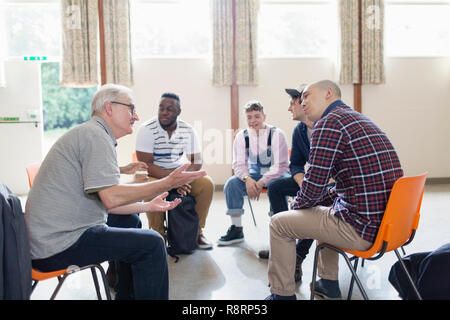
<point>134,157</point>
<point>32,170</point>
<point>401,216</point>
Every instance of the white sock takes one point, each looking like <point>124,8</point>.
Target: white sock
<point>236,220</point>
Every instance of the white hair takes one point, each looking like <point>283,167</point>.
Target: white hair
<point>107,93</point>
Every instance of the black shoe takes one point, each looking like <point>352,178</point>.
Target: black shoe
<point>234,235</point>
<point>298,269</point>
<point>263,254</point>
<point>327,289</point>
<point>274,296</point>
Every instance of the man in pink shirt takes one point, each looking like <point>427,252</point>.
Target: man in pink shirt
<point>260,156</point>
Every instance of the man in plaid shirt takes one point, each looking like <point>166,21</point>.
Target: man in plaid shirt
<point>349,148</point>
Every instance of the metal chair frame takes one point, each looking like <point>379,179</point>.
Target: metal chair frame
<point>354,268</point>
<point>71,270</point>
<point>384,242</point>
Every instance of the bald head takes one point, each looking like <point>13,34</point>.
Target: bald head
<point>328,84</point>
<point>317,96</point>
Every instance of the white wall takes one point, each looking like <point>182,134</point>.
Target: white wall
<point>413,107</point>
<point>21,144</point>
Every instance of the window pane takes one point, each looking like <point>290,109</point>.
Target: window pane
<point>32,29</point>
<point>63,107</point>
<point>417,30</point>
<point>297,29</point>
<point>176,28</point>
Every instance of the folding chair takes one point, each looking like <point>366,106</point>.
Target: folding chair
<point>398,227</point>
<point>62,274</point>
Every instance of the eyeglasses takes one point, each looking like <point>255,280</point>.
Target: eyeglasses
<point>130,106</point>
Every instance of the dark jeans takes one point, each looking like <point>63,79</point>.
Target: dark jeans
<point>278,191</point>
<point>124,221</point>
<point>121,221</point>
<point>142,267</point>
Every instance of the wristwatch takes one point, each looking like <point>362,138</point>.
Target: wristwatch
<point>245,178</point>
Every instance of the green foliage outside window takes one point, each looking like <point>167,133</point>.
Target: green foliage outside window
<point>63,107</point>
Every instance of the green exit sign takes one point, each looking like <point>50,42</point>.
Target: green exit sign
<point>34,58</point>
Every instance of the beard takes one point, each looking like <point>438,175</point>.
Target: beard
<point>170,124</point>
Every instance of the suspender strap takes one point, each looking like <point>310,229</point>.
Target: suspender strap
<point>269,141</point>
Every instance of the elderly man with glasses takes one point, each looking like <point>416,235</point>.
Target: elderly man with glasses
<point>78,184</point>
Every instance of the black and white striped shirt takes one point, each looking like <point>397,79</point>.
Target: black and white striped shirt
<point>167,153</point>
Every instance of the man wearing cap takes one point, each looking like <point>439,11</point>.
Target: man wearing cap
<point>348,147</point>
<point>280,189</point>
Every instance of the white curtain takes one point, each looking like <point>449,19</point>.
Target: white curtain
<point>245,51</point>
<point>79,67</point>
<point>118,42</point>
<point>372,41</point>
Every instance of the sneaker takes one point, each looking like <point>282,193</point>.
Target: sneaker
<point>203,243</point>
<point>328,289</point>
<point>263,254</point>
<point>274,296</point>
<point>234,235</point>
<point>298,269</point>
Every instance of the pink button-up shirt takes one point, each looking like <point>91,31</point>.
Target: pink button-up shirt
<point>258,145</point>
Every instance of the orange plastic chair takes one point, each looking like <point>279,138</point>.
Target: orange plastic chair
<point>62,274</point>
<point>397,229</point>
<point>32,170</point>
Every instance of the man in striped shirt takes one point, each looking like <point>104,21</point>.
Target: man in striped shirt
<point>164,143</point>
<point>348,147</point>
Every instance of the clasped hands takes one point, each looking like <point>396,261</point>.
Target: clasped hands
<point>254,188</point>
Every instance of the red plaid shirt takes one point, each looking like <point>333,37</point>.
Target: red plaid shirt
<point>351,149</point>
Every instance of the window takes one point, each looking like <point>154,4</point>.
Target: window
<point>63,107</point>
<point>297,28</point>
<point>31,28</point>
<point>417,28</point>
<point>171,28</point>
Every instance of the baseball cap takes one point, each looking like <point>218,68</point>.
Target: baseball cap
<point>296,92</point>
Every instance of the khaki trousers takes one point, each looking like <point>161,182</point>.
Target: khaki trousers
<point>318,223</point>
<point>202,190</point>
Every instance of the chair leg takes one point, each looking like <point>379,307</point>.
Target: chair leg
<point>353,271</point>
<point>105,281</point>
<point>33,285</point>
<point>60,283</point>
<point>313,282</point>
<point>352,282</point>
<point>349,264</point>
<point>97,287</point>
<point>403,251</point>
<point>251,210</point>
<point>402,264</point>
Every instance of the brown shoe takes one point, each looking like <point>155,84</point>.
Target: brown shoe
<point>203,243</point>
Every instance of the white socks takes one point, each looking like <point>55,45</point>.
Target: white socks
<point>236,220</point>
